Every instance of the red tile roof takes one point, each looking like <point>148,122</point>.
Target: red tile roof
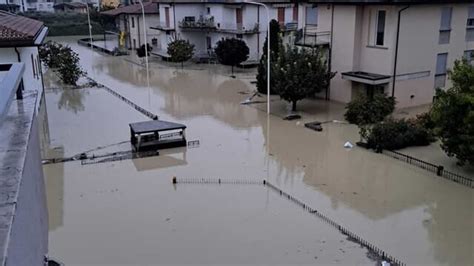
<point>150,8</point>
<point>15,28</point>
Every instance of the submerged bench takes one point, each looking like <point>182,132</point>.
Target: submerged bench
<point>157,134</point>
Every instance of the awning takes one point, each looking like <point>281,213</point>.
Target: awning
<point>366,78</point>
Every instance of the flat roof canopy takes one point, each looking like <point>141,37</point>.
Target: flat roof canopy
<point>366,77</point>
<point>154,126</point>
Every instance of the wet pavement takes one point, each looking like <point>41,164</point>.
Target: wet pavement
<point>116,213</point>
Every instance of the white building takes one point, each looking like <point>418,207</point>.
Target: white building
<point>129,21</point>
<point>24,237</point>
<point>204,23</point>
<point>402,48</point>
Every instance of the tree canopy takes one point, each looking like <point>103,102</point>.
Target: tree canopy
<point>231,52</point>
<point>63,60</point>
<point>453,113</point>
<point>300,73</point>
<point>275,43</point>
<point>180,51</point>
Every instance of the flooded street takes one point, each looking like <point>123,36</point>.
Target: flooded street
<point>129,213</point>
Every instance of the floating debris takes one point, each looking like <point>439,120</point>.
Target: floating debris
<point>292,117</point>
<point>316,126</point>
<point>348,145</point>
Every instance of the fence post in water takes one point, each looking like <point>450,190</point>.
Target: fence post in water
<point>439,171</point>
<point>174,180</point>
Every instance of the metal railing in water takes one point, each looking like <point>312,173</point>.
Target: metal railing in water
<point>437,169</point>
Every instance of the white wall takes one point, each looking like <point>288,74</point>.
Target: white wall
<point>30,81</point>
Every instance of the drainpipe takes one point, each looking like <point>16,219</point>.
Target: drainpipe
<point>396,50</point>
<point>174,22</point>
<point>19,91</point>
<point>328,88</point>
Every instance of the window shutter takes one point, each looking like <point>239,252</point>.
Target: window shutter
<point>446,18</point>
<point>441,64</point>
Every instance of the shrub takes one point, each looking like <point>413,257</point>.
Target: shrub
<point>63,60</point>
<point>231,52</point>
<point>180,51</point>
<point>365,111</point>
<point>393,134</point>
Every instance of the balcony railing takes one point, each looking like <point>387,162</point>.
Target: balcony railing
<point>289,26</point>
<point>312,38</point>
<point>202,23</point>
<point>238,28</point>
<point>162,25</point>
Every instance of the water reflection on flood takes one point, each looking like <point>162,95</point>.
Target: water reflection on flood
<point>404,210</point>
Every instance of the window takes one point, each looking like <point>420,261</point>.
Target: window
<point>134,44</point>
<point>133,22</point>
<point>470,17</point>
<point>470,25</point>
<point>469,55</point>
<point>312,15</point>
<point>208,10</point>
<point>295,13</point>
<point>380,30</point>
<point>440,74</point>
<point>209,42</point>
<point>445,25</point>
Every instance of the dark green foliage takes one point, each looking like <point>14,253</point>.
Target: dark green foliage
<point>365,111</point>
<point>393,134</point>
<point>299,74</point>
<point>180,51</point>
<point>275,42</point>
<point>453,114</point>
<point>231,52</point>
<point>48,53</point>
<point>63,60</point>
<point>67,24</point>
<point>141,50</point>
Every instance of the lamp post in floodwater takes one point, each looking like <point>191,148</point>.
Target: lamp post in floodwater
<point>268,50</point>
<point>144,35</point>
<point>89,22</point>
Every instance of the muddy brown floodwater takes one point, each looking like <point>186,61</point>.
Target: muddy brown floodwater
<point>129,213</point>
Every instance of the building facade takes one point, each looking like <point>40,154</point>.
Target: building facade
<point>24,237</point>
<point>129,21</point>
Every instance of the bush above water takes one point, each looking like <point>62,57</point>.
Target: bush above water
<point>365,111</point>
<point>393,134</point>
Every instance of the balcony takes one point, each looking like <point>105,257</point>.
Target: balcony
<point>312,38</point>
<point>163,26</point>
<point>207,23</point>
<point>289,26</point>
<point>203,23</point>
<point>238,28</point>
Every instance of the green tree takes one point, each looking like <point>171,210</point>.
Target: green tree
<point>275,42</point>
<point>453,113</point>
<point>231,52</point>
<point>180,51</point>
<point>364,111</point>
<point>300,73</point>
<point>69,69</point>
<point>63,60</point>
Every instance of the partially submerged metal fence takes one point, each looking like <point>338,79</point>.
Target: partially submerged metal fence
<point>437,169</point>
<point>374,250</point>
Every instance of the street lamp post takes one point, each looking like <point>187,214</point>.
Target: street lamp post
<point>144,36</point>
<point>268,51</point>
<point>89,22</point>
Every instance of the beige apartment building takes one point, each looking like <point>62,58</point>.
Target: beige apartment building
<point>403,48</point>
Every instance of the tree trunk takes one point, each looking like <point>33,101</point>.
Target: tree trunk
<point>293,107</point>
<point>182,64</point>
<point>232,67</point>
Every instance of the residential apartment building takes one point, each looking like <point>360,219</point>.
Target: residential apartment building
<point>129,21</point>
<point>402,48</point>
<point>204,23</point>
<point>24,234</point>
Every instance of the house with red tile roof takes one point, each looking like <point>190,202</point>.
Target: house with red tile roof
<point>19,40</point>
<point>129,21</point>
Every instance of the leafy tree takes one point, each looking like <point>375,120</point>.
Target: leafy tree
<point>63,60</point>
<point>453,114</point>
<point>299,73</point>
<point>180,51</point>
<point>231,52</point>
<point>141,50</point>
<point>275,42</point>
<point>48,53</point>
<point>69,69</point>
<point>364,111</point>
